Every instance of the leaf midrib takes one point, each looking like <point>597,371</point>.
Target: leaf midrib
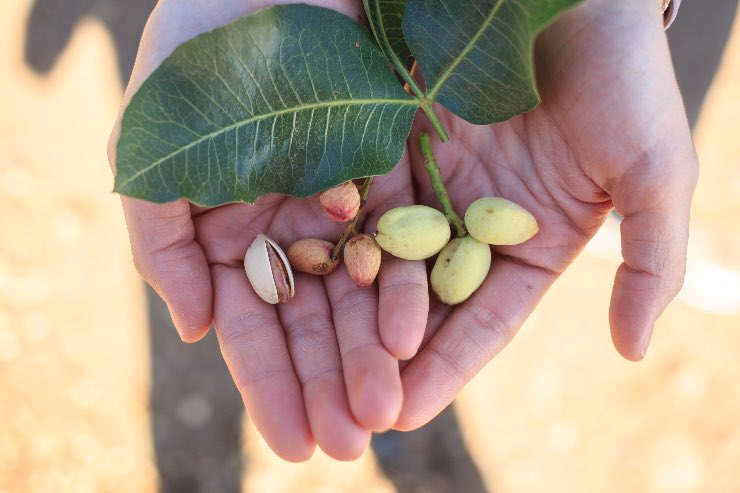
<point>464,53</point>
<point>396,61</point>
<point>265,116</point>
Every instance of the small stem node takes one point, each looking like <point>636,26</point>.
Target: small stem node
<point>426,106</point>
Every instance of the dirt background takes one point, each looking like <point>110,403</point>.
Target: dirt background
<point>97,394</point>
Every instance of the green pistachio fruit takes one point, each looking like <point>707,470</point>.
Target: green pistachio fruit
<point>461,268</point>
<point>498,221</point>
<point>415,232</point>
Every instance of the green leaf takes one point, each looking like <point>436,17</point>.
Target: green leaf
<point>477,55</point>
<point>385,17</point>
<point>293,99</point>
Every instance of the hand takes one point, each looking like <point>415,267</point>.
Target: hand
<point>313,370</point>
<point>611,132</point>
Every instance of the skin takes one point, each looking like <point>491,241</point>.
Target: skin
<point>610,133</point>
<point>323,369</point>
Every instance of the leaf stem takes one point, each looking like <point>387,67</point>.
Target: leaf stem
<point>426,106</point>
<point>430,163</point>
<point>425,103</point>
<point>373,10</point>
<point>351,229</point>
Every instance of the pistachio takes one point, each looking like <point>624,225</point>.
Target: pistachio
<point>268,271</point>
<point>415,232</point>
<point>461,268</point>
<point>498,221</point>
<point>341,203</point>
<point>362,258</point>
<point>313,256</point>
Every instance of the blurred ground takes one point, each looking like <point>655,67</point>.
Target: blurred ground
<point>98,394</point>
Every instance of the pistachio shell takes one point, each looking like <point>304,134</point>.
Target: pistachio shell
<point>415,232</point>
<point>460,269</point>
<point>498,221</point>
<point>312,256</point>
<point>362,258</point>
<point>341,203</point>
<point>268,271</point>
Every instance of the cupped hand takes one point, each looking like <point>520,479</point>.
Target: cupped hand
<point>313,371</point>
<point>611,132</point>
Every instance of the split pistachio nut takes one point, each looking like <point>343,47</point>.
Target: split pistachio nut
<point>268,271</point>
<point>341,203</point>
<point>313,256</point>
<point>414,232</point>
<point>497,221</point>
<point>362,258</point>
<point>460,269</point>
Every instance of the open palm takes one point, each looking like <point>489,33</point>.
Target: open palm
<point>610,133</point>
<point>322,369</point>
<point>314,369</point>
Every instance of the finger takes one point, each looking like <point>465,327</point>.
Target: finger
<point>641,154</point>
<point>254,348</point>
<point>402,285</point>
<point>475,332</point>
<point>371,373</point>
<point>438,313</point>
<point>654,199</point>
<point>404,305</point>
<point>168,258</point>
<point>313,347</point>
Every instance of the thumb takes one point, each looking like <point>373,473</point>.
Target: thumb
<point>614,88</point>
<point>654,198</point>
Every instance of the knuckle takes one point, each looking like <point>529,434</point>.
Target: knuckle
<point>452,364</point>
<point>404,287</point>
<point>311,333</point>
<point>488,319</point>
<point>321,377</point>
<point>359,350</point>
<point>354,304</point>
<point>676,281</point>
<point>474,344</point>
<point>245,330</point>
<point>246,381</point>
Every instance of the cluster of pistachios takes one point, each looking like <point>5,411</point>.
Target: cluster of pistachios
<point>418,232</point>
<point>415,232</point>
<point>270,270</point>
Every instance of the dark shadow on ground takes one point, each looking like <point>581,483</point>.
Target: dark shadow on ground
<point>433,459</point>
<point>697,39</point>
<point>196,411</point>
<point>52,22</point>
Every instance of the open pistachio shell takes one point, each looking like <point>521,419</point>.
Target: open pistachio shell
<point>268,271</point>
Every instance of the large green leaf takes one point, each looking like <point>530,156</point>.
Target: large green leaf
<point>477,55</point>
<point>292,99</point>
